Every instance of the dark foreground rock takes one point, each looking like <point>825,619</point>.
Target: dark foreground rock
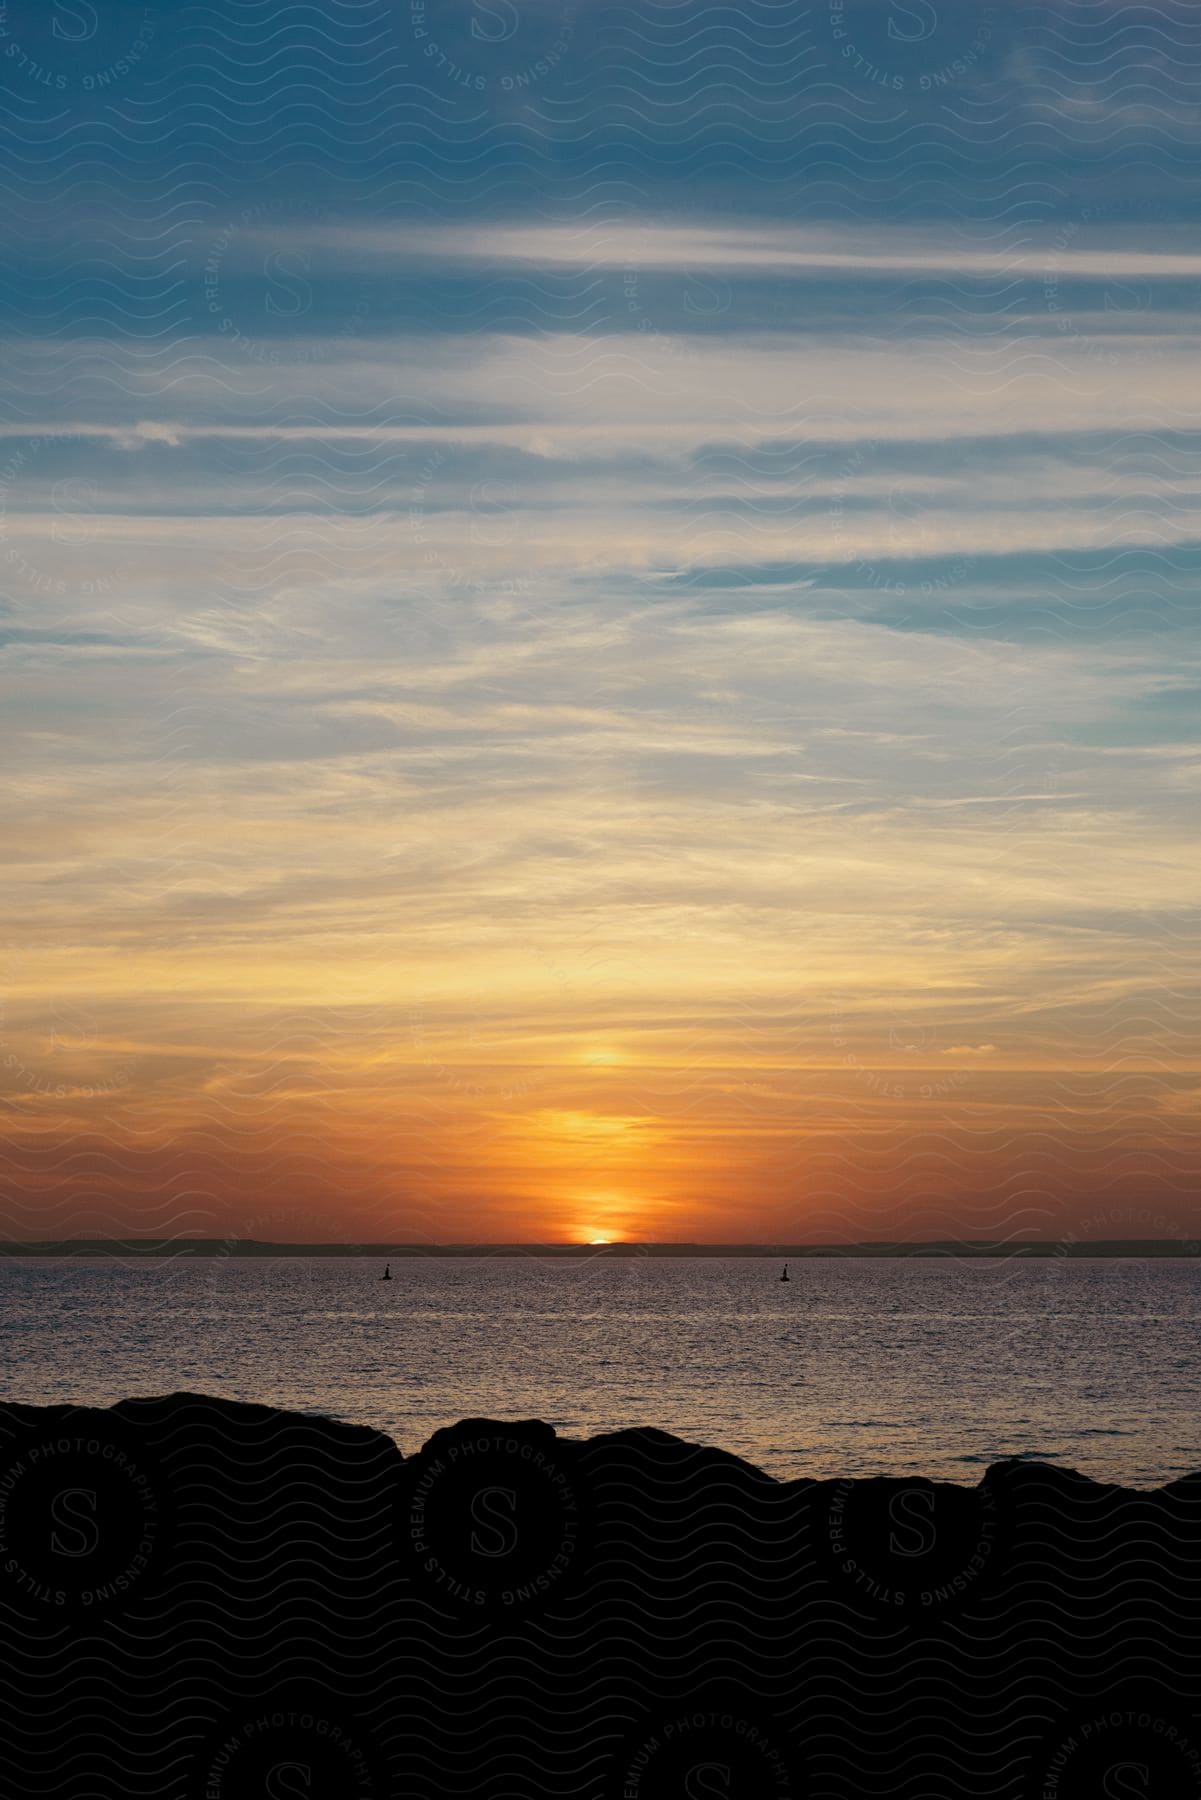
<point>212,1601</point>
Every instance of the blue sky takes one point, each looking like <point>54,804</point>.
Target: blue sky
<point>600,611</point>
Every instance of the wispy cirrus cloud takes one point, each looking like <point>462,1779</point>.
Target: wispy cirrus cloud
<point>589,663</point>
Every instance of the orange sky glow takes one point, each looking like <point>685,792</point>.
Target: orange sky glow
<point>694,784</point>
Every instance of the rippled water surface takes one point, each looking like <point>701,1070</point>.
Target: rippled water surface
<point>855,1367</point>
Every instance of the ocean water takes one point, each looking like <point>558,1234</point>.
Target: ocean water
<point>853,1368</point>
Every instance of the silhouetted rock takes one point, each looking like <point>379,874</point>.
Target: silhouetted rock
<point>211,1601</point>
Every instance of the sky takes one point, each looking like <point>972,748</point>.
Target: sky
<point>599,620</point>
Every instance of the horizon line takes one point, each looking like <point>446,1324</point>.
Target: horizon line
<point>896,1247</point>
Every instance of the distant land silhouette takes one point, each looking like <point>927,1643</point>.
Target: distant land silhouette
<point>214,1601</point>
<point>948,1247</point>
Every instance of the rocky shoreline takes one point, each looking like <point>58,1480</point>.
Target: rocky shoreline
<point>202,1598</point>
